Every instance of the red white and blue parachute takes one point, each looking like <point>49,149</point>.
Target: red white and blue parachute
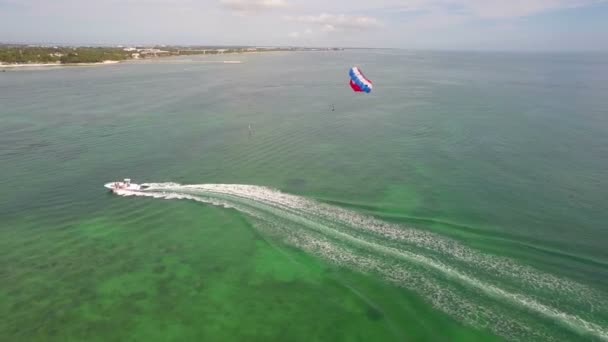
<point>358,82</point>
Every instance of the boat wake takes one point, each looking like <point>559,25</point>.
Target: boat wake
<point>515,301</point>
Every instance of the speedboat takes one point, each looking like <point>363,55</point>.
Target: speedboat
<point>124,185</point>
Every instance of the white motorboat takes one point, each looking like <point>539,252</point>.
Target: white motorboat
<point>124,185</point>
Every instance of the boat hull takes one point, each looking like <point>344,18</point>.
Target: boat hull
<point>117,186</point>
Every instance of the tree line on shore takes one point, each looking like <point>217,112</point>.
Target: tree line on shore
<point>21,54</point>
<point>13,54</point>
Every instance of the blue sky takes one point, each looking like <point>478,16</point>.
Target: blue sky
<point>570,25</point>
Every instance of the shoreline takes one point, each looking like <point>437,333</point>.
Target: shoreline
<point>131,60</point>
<point>42,65</point>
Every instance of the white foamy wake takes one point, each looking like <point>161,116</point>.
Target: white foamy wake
<point>482,290</point>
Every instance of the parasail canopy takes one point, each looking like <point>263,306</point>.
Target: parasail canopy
<point>358,82</point>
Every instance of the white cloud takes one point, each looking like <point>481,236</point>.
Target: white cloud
<point>248,6</point>
<point>332,22</point>
<point>404,23</point>
<point>475,8</point>
<point>519,8</point>
<point>297,34</point>
<point>435,20</point>
<point>329,28</point>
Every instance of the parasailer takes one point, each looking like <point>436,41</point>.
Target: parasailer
<point>358,82</point>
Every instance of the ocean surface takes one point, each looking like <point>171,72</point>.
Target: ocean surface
<point>464,199</point>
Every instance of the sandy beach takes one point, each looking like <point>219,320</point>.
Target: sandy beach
<point>42,65</point>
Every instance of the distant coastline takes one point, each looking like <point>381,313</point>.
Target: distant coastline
<point>24,56</point>
<point>58,64</point>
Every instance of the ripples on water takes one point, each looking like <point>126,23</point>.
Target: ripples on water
<point>482,290</point>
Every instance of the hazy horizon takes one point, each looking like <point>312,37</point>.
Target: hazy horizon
<point>405,49</point>
<point>541,25</point>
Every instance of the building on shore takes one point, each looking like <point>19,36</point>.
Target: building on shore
<point>153,52</point>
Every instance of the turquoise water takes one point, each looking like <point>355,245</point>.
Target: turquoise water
<point>464,199</point>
